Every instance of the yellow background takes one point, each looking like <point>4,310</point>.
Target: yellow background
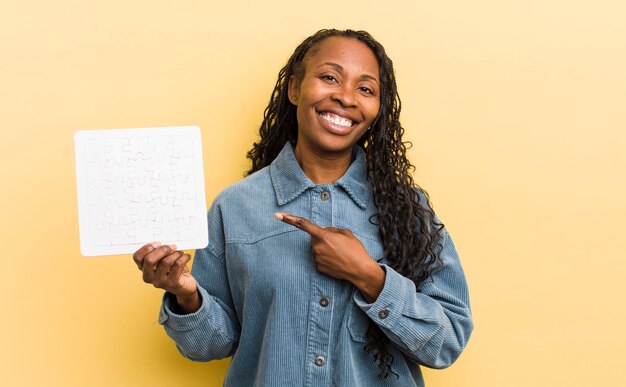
<point>517,112</point>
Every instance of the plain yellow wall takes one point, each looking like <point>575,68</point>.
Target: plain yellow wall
<point>517,112</point>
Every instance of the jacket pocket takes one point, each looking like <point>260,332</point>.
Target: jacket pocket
<point>357,324</point>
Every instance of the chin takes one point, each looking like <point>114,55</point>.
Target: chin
<point>336,144</point>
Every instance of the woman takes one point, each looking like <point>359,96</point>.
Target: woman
<point>356,283</point>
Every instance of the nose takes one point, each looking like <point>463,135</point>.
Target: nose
<point>344,95</point>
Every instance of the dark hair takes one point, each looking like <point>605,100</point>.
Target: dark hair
<point>410,233</point>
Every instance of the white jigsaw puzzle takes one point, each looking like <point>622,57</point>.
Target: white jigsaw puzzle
<point>140,185</point>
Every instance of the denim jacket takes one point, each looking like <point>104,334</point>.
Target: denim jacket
<point>286,324</point>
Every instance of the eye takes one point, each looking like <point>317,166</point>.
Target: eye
<point>366,90</point>
<point>328,78</point>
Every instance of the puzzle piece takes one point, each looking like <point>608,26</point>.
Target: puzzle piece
<point>98,192</point>
<point>142,232</point>
<point>182,166</point>
<point>117,170</point>
<point>166,231</point>
<point>122,234</point>
<point>114,150</point>
<point>187,228</point>
<point>96,168</point>
<point>165,210</point>
<point>180,147</point>
<point>160,167</point>
<point>140,166</point>
<point>141,190</point>
<point>139,148</point>
<point>182,186</point>
<point>185,208</point>
<point>161,190</point>
<point>118,213</point>
<point>117,190</point>
<point>162,145</point>
<point>142,213</point>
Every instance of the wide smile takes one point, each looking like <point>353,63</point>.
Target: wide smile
<point>335,123</point>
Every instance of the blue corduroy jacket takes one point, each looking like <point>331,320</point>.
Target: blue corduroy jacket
<point>284,323</point>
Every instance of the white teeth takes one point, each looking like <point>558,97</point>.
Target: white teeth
<point>337,120</point>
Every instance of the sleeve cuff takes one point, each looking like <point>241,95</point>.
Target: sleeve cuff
<point>388,307</point>
<point>182,322</point>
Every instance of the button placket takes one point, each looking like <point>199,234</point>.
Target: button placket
<point>320,326</point>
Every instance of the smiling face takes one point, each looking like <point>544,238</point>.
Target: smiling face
<point>338,96</point>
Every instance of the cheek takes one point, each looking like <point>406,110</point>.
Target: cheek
<point>372,110</point>
<point>303,117</point>
<point>360,133</point>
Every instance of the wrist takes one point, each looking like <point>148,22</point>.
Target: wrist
<point>189,303</point>
<point>371,281</point>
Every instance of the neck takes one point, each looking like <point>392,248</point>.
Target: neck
<point>320,167</point>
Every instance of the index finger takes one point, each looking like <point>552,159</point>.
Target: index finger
<point>302,223</point>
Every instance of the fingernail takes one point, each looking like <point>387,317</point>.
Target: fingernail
<point>278,216</point>
<point>156,244</point>
<point>173,247</point>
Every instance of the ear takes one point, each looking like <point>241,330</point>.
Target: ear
<point>293,90</point>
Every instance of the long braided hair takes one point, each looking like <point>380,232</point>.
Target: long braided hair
<point>410,233</point>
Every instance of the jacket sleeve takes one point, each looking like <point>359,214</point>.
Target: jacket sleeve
<point>431,325</point>
<point>212,332</point>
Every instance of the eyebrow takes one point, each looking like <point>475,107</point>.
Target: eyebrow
<point>340,68</point>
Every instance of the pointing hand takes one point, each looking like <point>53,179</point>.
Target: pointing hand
<point>339,254</point>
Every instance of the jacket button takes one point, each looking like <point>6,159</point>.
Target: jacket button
<point>383,313</point>
<point>319,361</point>
<point>324,301</point>
<point>325,195</point>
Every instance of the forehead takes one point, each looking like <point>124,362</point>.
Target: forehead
<point>350,53</point>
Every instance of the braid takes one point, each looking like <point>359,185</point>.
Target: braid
<point>411,235</point>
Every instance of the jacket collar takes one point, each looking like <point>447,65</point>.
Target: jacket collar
<point>289,180</point>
